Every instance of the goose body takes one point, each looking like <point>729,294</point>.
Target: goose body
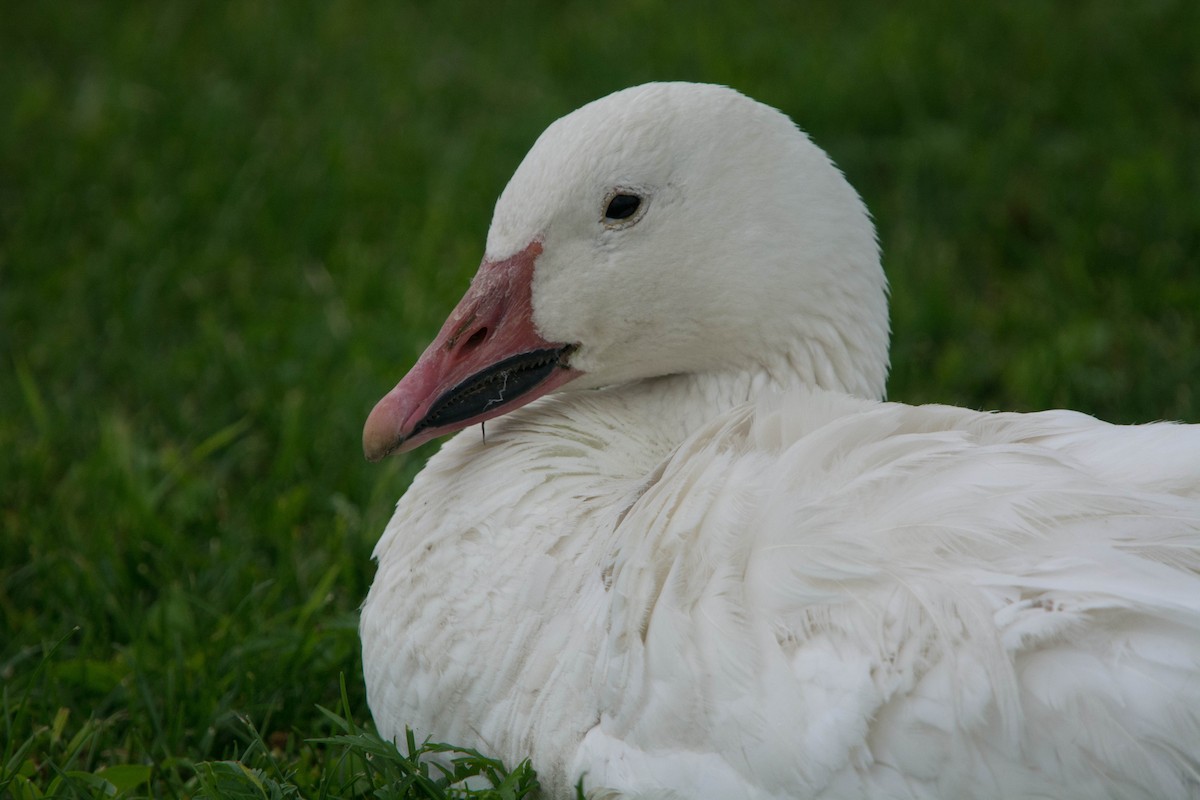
<point>697,556</point>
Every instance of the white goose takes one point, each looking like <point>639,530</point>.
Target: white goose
<point>713,564</point>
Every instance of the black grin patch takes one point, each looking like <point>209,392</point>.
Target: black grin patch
<point>500,383</point>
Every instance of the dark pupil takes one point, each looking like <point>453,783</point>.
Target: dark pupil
<point>622,206</point>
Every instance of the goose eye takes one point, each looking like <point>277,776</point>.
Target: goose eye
<point>622,206</point>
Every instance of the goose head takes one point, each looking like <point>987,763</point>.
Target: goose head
<point>665,229</point>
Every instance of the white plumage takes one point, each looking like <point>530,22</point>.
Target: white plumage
<point>716,565</point>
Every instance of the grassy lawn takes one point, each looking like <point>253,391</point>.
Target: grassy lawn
<point>226,230</point>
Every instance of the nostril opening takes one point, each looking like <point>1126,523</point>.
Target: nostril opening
<point>476,339</point>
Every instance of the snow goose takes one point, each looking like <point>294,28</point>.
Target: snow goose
<point>698,557</point>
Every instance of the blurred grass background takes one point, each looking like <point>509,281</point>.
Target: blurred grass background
<point>227,229</point>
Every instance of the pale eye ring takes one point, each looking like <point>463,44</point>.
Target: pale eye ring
<point>623,207</point>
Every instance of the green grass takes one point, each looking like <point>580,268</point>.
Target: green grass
<point>226,230</point>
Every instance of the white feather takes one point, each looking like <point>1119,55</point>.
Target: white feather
<point>742,582</point>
